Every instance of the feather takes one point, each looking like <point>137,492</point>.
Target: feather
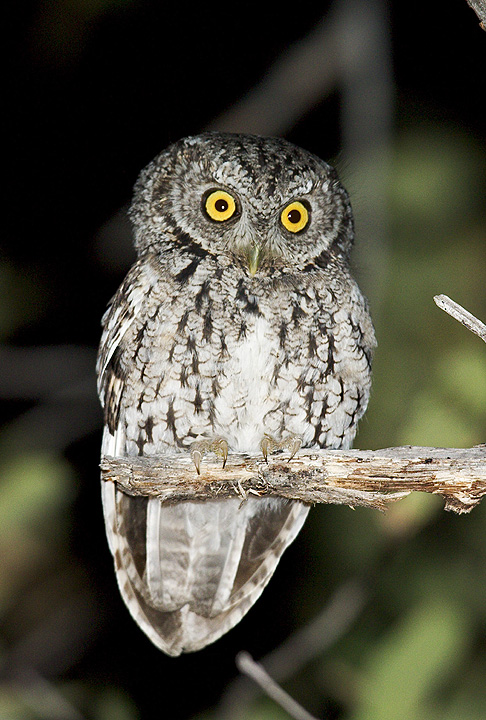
<point>198,567</point>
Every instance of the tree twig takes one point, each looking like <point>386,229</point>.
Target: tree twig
<point>304,645</point>
<point>256,672</point>
<point>369,478</point>
<point>479,7</point>
<point>463,316</point>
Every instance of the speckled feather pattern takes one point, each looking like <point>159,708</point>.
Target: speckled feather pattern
<point>195,346</point>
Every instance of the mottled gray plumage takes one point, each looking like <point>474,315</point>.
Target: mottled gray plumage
<point>230,328</point>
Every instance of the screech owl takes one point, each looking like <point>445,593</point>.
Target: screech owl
<point>239,326</point>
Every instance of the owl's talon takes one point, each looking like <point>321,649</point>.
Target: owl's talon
<point>218,446</point>
<point>224,450</point>
<point>196,459</point>
<point>268,444</point>
<point>294,443</point>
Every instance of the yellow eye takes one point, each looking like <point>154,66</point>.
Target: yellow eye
<point>294,216</point>
<point>220,205</point>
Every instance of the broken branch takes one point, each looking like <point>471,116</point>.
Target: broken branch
<point>368,478</point>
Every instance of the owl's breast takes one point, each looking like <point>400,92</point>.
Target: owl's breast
<point>237,361</point>
<point>247,391</point>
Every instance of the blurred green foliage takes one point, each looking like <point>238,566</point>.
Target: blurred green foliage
<point>21,298</point>
<point>429,372</point>
<point>36,490</point>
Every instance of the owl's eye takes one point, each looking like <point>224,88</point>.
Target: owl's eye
<point>295,216</point>
<point>219,205</point>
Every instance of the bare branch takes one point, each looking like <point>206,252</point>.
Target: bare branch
<point>463,316</point>
<point>479,7</point>
<point>369,478</point>
<point>304,645</point>
<point>256,672</point>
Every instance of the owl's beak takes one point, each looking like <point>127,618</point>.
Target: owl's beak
<point>254,258</point>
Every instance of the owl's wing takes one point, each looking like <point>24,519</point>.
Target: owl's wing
<point>120,316</point>
<point>117,321</point>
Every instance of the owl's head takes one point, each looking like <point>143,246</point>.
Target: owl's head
<point>260,202</point>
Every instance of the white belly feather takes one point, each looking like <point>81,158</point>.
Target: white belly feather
<point>247,395</point>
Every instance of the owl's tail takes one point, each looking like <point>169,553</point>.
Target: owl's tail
<point>189,572</point>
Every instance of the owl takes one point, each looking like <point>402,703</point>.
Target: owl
<point>238,329</point>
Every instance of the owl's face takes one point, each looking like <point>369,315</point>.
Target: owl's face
<point>260,202</point>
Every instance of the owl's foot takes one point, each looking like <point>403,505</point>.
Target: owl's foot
<point>218,446</point>
<point>291,443</point>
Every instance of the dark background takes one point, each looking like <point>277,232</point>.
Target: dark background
<point>93,91</point>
